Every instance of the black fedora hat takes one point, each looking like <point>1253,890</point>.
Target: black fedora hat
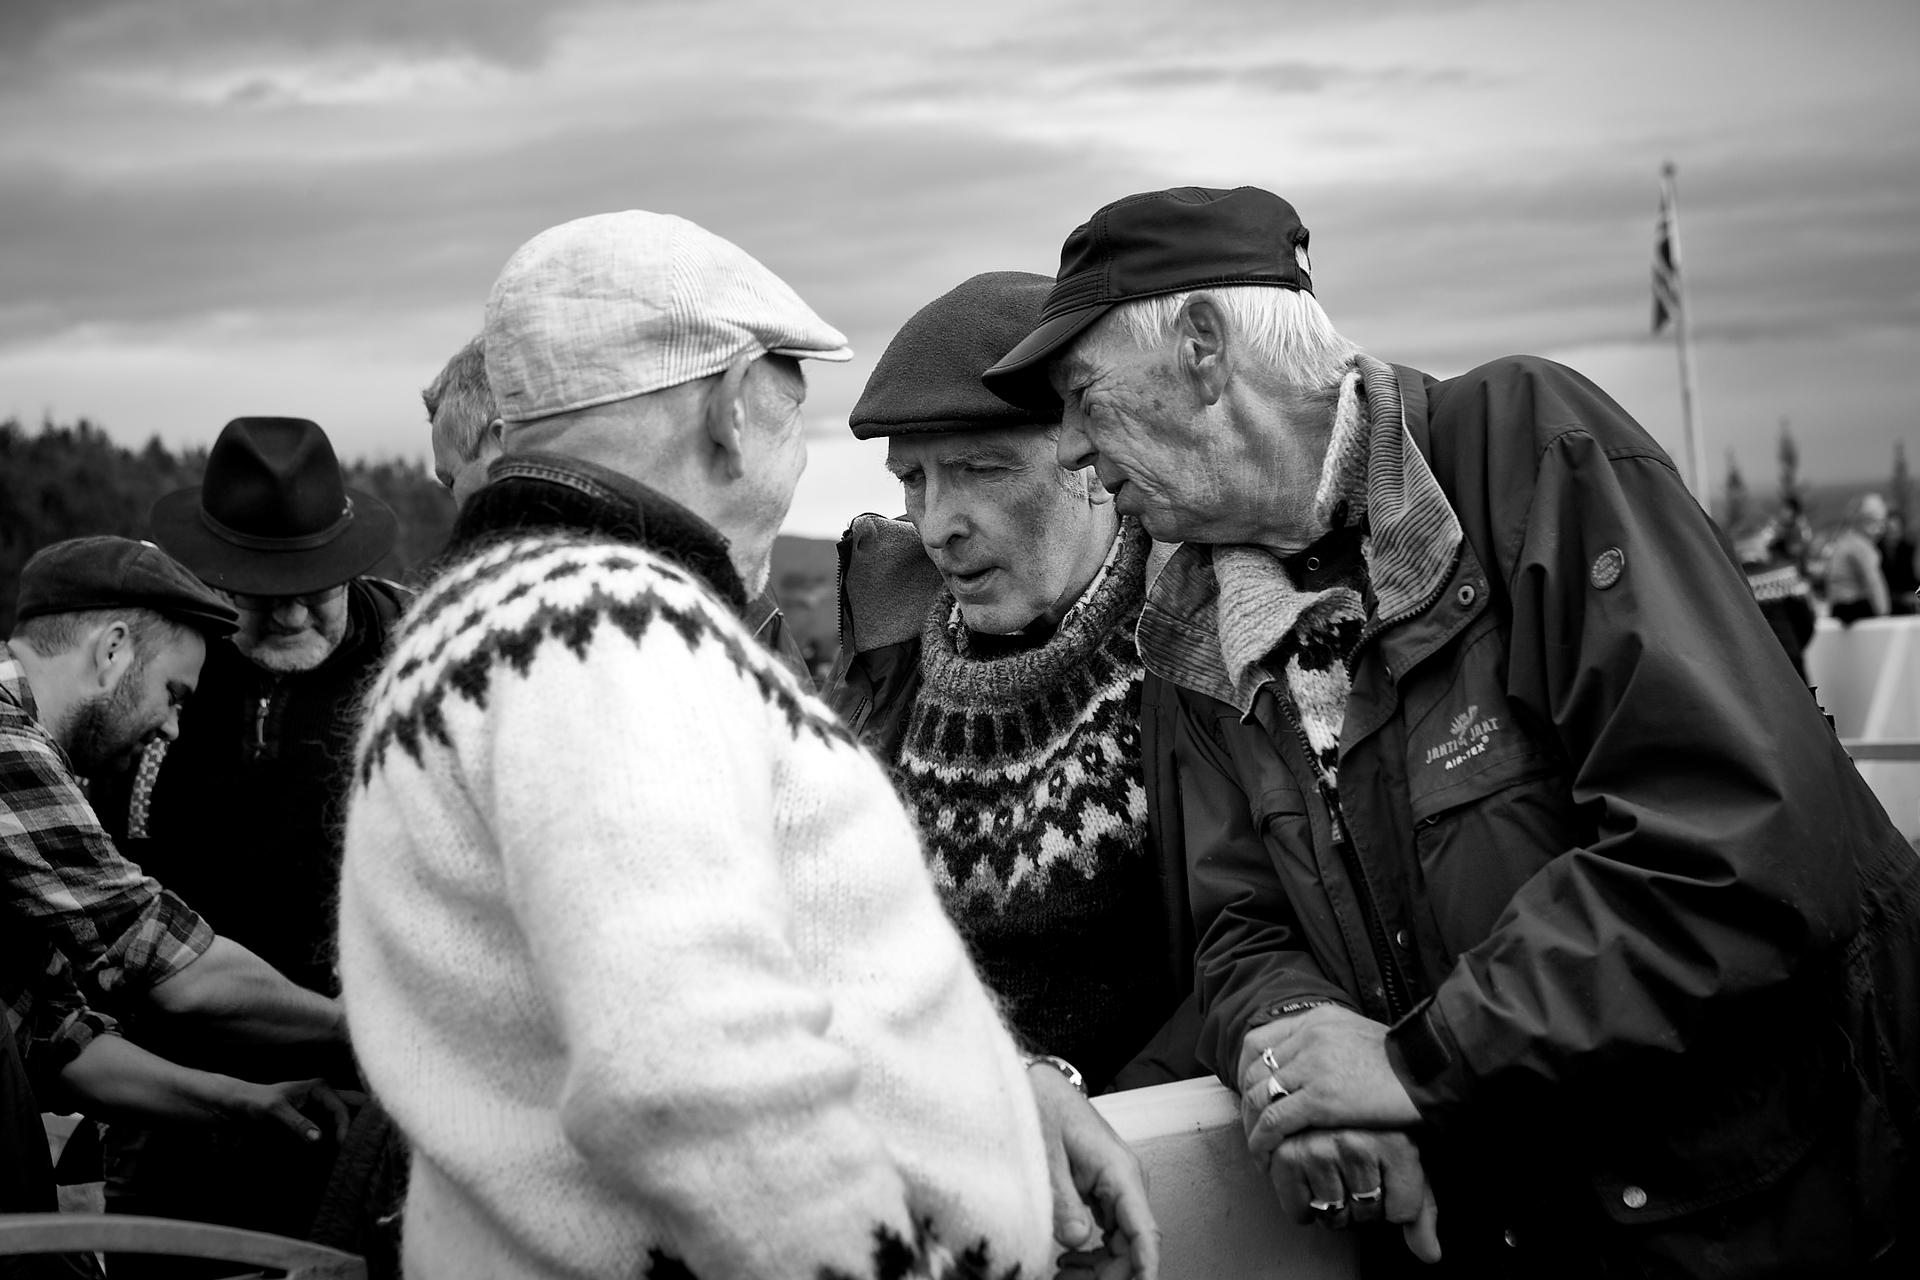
<point>272,516</point>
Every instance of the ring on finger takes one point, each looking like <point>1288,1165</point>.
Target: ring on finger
<point>1276,1090</point>
<point>1366,1197</point>
<point>1327,1208</point>
<point>1268,1061</point>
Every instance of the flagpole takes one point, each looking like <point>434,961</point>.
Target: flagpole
<point>1683,340</point>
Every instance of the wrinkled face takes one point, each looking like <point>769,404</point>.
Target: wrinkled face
<point>291,633</point>
<point>1239,466</point>
<point>775,444</point>
<point>1131,417</point>
<point>458,470</point>
<point>108,732</point>
<point>1010,531</point>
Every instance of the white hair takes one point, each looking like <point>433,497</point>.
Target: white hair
<point>1284,327</point>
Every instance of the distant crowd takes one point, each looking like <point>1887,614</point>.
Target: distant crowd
<point>1407,755</point>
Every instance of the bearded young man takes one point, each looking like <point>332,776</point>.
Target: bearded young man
<point>108,648</point>
<point>1528,879</point>
<point>110,641</point>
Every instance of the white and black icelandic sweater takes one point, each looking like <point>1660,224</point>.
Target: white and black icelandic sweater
<point>639,950</point>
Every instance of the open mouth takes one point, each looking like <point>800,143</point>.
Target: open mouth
<point>968,583</point>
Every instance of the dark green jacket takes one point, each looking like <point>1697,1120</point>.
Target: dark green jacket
<point>887,585</point>
<point>1647,942</point>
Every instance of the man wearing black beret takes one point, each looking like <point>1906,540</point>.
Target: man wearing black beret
<point>988,659</point>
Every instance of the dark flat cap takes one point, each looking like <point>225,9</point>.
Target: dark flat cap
<point>928,378</point>
<point>118,573</point>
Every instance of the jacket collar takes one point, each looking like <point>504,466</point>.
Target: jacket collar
<point>887,584</point>
<point>534,492</point>
<point>1413,538</point>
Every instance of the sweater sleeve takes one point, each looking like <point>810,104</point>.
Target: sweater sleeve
<point>633,798</point>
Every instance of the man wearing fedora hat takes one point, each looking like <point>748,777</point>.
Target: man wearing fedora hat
<point>242,814</point>
<point>1528,879</point>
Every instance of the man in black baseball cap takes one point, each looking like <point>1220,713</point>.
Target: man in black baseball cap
<point>1508,824</point>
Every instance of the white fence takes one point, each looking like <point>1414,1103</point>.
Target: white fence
<point>1868,678</point>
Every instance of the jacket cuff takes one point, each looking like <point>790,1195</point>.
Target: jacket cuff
<point>1423,1053</point>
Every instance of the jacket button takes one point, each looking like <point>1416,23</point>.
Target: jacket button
<point>1513,1240</point>
<point>1401,939</point>
<point>1313,564</point>
<point>1634,1198</point>
<point>1465,594</point>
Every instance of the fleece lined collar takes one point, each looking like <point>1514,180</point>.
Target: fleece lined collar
<point>1413,538</point>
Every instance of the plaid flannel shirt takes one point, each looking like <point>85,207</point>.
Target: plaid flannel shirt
<point>65,881</point>
<point>47,1015</point>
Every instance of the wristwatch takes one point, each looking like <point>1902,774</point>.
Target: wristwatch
<point>1065,1068</point>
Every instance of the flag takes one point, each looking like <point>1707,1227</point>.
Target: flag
<point>1666,258</point>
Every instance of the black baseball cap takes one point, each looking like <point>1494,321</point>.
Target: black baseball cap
<point>1145,245</point>
<point>104,572</point>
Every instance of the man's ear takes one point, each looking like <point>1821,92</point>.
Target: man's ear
<point>726,417</point>
<point>497,434</point>
<point>110,656</point>
<point>1202,340</point>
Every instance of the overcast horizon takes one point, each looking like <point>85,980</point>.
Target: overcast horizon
<point>223,207</point>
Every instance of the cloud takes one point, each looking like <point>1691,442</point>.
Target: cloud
<point>1287,77</point>
<point>509,32</point>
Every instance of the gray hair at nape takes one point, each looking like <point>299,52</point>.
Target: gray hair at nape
<point>1285,327</point>
<point>461,392</point>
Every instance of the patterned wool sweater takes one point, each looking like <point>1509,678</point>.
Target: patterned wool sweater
<point>1024,773</point>
<point>638,949</point>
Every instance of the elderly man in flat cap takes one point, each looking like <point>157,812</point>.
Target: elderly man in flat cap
<point>1526,874</point>
<point>988,659</point>
<point>242,815</point>
<point>636,941</point>
<point>466,431</point>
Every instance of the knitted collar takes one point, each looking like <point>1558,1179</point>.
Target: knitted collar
<point>529,492</point>
<point>1009,681</point>
<point>1374,473</point>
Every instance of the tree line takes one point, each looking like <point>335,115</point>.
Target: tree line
<point>69,480</point>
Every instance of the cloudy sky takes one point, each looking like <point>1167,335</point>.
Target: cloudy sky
<point>211,208</point>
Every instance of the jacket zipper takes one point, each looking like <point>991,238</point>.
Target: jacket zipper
<point>1398,1001</point>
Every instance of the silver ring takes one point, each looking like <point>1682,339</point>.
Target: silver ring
<point>1268,1061</point>
<point>1366,1197</point>
<point>1276,1090</point>
<point>1327,1208</point>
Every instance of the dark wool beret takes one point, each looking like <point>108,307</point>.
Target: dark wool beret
<point>105,572</point>
<point>928,378</point>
